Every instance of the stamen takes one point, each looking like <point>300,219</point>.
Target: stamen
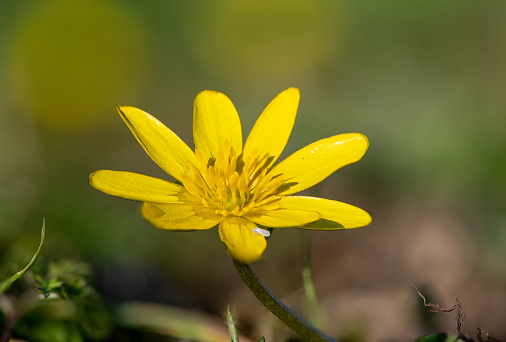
<point>231,185</point>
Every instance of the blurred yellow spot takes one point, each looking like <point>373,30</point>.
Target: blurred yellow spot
<point>255,40</point>
<point>72,61</point>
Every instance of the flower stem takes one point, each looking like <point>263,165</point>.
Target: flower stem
<point>279,309</point>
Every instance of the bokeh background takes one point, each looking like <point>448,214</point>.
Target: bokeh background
<point>424,80</point>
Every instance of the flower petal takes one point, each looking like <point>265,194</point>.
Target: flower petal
<point>215,120</point>
<point>179,216</point>
<point>273,127</point>
<point>160,143</point>
<point>333,214</point>
<point>243,244</point>
<point>282,218</point>
<point>315,162</point>
<point>134,186</point>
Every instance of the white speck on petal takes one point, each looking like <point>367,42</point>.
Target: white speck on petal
<point>262,232</point>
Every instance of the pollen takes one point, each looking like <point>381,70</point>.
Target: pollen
<point>232,185</point>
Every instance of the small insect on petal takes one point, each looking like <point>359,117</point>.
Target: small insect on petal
<point>262,232</point>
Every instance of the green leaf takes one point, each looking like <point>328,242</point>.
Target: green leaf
<point>66,278</point>
<point>231,326</point>
<point>178,323</point>
<point>440,337</point>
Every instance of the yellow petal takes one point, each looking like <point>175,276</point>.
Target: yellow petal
<point>315,162</point>
<point>243,244</point>
<point>273,127</point>
<point>280,218</point>
<point>333,214</point>
<point>215,120</point>
<point>179,216</point>
<point>134,186</point>
<point>160,143</point>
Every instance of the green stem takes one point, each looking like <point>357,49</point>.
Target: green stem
<point>311,301</point>
<point>279,309</point>
<point>12,317</point>
<point>8,282</point>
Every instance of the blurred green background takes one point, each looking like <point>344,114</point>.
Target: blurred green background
<point>424,80</point>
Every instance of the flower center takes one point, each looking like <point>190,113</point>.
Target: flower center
<point>231,185</point>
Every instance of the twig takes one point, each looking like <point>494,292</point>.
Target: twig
<point>437,308</point>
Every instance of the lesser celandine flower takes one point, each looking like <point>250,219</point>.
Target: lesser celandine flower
<point>237,187</point>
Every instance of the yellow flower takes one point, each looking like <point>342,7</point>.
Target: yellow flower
<point>235,187</point>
